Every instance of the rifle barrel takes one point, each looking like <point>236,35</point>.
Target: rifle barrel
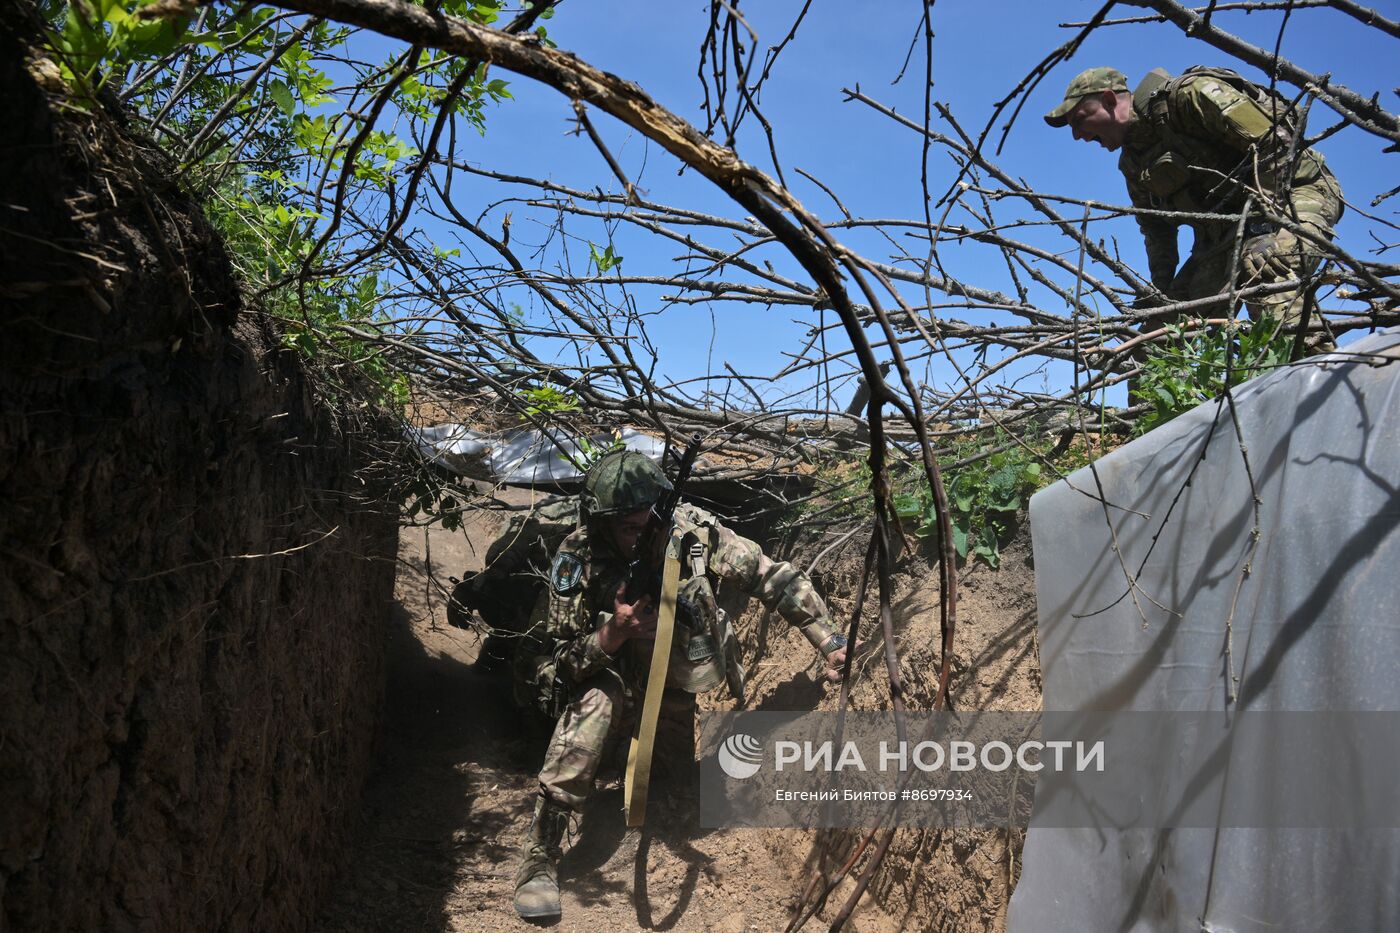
<point>644,575</point>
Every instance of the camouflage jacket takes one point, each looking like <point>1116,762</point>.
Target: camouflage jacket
<point>586,574</point>
<point>1201,142</point>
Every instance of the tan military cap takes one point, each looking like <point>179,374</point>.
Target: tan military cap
<point>1085,83</point>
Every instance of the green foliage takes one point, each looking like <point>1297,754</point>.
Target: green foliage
<point>258,167</point>
<point>97,39</point>
<point>545,401</point>
<point>591,452</point>
<point>1189,369</point>
<point>983,497</point>
<point>267,240</point>
<point>605,260</point>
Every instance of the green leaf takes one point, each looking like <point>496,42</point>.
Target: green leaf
<point>908,505</point>
<point>282,97</point>
<point>960,541</point>
<point>113,11</point>
<point>605,260</point>
<point>485,13</point>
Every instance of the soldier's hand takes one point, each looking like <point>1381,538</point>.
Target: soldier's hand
<point>836,662</point>
<point>629,621</point>
<point>1270,256</point>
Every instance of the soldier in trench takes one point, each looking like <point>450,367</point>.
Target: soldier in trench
<point>599,646</point>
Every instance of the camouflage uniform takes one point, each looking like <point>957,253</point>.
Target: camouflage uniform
<point>1200,144</point>
<point>604,690</point>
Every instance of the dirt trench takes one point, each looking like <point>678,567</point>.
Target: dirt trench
<point>451,797</point>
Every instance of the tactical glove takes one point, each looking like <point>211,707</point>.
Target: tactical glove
<point>1274,255</point>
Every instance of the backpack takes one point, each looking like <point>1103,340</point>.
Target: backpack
<point>1283,111</point>
<point>516,569</point>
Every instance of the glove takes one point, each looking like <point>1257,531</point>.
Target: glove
<point>1273,255</point>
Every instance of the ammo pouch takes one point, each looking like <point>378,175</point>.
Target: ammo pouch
<point>704,650</point>
<point>1309,169</point>
<point>696,662</point>
<point>1167,175</point>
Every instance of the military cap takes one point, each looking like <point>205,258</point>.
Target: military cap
<point>1085,83</point>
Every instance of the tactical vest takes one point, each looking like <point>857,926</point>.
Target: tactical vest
<point>1281,111</point>
<point>1182,172</point>
<point>703,629</point>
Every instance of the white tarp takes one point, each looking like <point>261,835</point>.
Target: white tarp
<point>523,456</point>
<point>1316,627</point>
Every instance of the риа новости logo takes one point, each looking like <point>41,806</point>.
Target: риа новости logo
<point>740,756</point>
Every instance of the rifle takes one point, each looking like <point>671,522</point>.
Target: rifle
<point>644,573</point>
<point>644,578</point>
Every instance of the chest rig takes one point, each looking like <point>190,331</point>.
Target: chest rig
<point>704,650</point>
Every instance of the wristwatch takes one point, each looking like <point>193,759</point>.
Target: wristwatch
<point>834,643</point>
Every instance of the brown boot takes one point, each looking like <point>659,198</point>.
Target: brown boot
<point>537,878</point>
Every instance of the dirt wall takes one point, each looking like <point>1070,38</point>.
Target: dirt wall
<point>931,879</point>
<point>192,576</point>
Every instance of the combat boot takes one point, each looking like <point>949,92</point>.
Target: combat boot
<point>537,878</point>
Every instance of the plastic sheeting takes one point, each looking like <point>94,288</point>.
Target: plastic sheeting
<point>1316,627</point>
<point>524,456</point>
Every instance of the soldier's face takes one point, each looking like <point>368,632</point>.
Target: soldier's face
<point>1101,118</point>
<point>626,529</point>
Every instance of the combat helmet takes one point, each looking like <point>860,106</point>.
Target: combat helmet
<point>622,481</point>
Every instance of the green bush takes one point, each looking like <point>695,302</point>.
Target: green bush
<point>1188,369</point>
<point>983,498</point>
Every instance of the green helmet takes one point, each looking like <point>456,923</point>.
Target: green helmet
<point>622,481</point>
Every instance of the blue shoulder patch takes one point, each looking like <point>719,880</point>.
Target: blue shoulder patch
<point>566,574</point>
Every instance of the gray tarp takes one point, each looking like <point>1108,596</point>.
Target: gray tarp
<point>1316,627</point>
<point>523,456</point>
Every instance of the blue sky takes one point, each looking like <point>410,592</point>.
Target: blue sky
<point>981,51</point>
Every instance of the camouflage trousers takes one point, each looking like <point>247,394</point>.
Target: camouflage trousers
<point>598,715</point>
<point>1207,271</point>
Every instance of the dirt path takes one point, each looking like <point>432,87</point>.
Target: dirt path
<point>450,801</point>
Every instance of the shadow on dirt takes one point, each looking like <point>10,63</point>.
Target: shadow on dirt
<point>452,792</point>
<point>454,764</point>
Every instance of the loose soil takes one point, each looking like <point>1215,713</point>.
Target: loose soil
<point>951,879</point>
<point>452,797</point>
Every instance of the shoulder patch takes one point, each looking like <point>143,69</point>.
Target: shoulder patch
<point>566,573</point>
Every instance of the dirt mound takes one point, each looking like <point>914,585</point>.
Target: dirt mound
<point>949,879</point>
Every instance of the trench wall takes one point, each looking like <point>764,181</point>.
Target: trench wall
<point>193,571</point>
